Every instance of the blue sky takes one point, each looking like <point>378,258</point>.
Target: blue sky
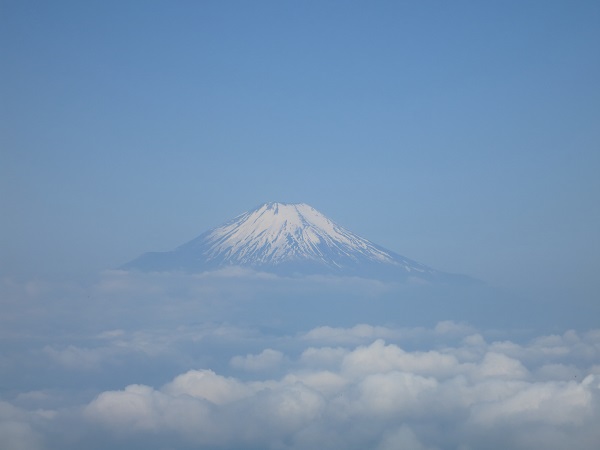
<point>460,134</point>
<point>464,135</point>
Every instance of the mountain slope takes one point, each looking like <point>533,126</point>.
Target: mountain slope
<point>287,239</point>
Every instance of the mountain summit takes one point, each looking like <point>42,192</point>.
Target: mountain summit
<point>287,239</point>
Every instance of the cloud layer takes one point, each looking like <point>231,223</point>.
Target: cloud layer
<point>477,395</point>
<point>326,393</point>
<point>144,368</point>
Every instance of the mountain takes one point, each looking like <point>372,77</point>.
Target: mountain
<point>288,239</point>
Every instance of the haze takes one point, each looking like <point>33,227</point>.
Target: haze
<point>463,135</point>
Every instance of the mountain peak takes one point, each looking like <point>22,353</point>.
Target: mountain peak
<point>276,233</point>
<point>286,238</point>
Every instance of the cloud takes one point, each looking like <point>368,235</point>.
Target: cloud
<point>401,438</point>
<point>74,357</point>
<point>381,358</point>
<point>268,359</point>
<point>449,327</point>
<point>370,396</point>
<point>358,333</point>
<point>325,357</point>
<point>207,409</point>
<point>181,363</point>
<point>207,385</point>
<point>17,430</point>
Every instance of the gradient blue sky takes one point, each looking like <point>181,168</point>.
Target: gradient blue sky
<point>465,135</point>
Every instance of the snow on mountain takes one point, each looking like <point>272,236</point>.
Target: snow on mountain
<point>287,239</point>
<point>276,233</point>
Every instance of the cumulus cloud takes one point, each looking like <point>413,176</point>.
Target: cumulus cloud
<point>268,359</point>
<point>372,396</point>
<point>179,363</point>
<point>207,409</point>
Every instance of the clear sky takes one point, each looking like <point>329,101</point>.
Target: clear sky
<point>465,135</point>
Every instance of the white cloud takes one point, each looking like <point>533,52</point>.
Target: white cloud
<point>167,375</point>
<point>497,365</point>
<point>371,396</point>
<point>358,333</point>
<point>323,357</point>
<point>381,358</point>
<point>547,403</point>
<point>205,384</point>
<point>324,381</point>
<point>397,394</point>
<point>449,327</point>
<point>17,429</point>
<point>268,359</point>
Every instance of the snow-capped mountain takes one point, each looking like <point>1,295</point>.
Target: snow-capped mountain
<point>287,239</point>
